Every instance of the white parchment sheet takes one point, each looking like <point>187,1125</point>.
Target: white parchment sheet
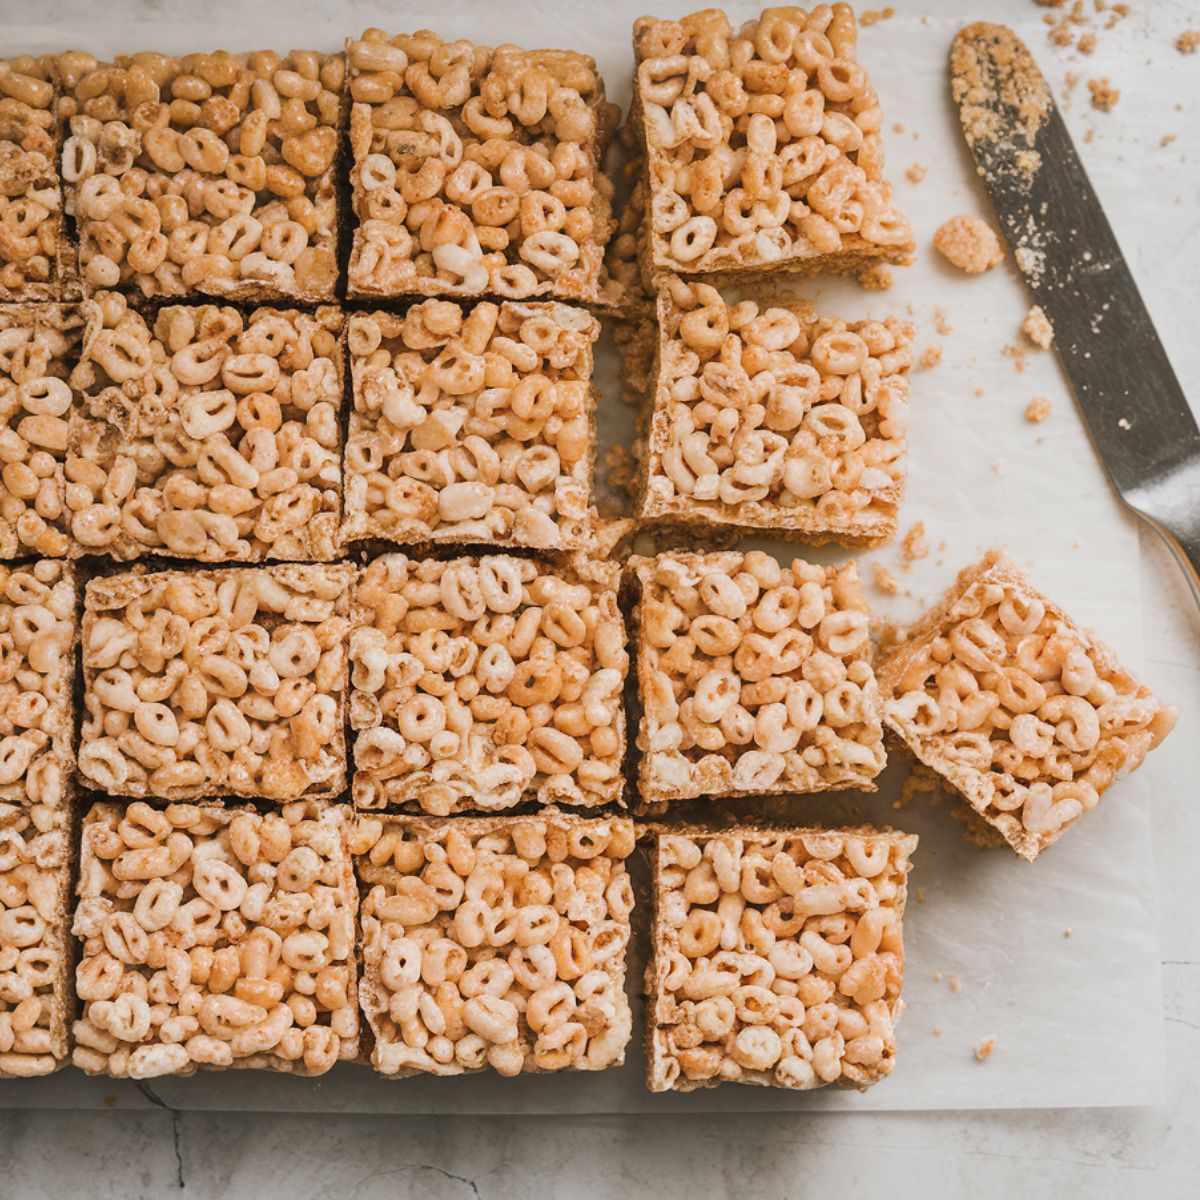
<point>1078,1019</point>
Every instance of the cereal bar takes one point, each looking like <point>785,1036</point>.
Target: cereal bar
<point>38,345</point>
<point>1026,714</point>
<point>763,146</point>
<point>775,418</point>
<point>495,941</point>
<point>476,170</point>
<point>209,174</point>
<point>479,682</point>
<point>778,957</point>
<point>471,424</point>
<point>37,640</point>
<point>754,678</point>
<point>213,936</point>
<point>34,956</point>
<point>207,433</point>
<point>210,683</point>
<point>33,247</point>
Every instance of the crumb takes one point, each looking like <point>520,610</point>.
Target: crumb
<point>941,322</point>
<point>920,895</point>
<point>930,357</point>
<point>877,278</point>
<point>1017,353</point>
<point>914,547</point>
<point>937,977</point>
<point>1061,34</point>
<point>883,579</point>
<point>1037,328</point>
<point>1188,41</point>
<point>998,466</point>
<point>873,17</point>
<point>955,984</point>
<point>1104,95</point>
<point>921,781</point>
<point>1089,137</point>
<point>1037,410</point>
<point>916,172</point>
<point>983,1051</point>
<point>936,1032</point>
<point>1067,932</point>
<point>1086,43</point>
<point>1051,4</point>
<point>969,243</point>
<point>1125,423</point>
<point>1167,139</point>
<point>897,126</point>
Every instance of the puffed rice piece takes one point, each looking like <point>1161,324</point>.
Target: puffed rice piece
<point>38,346</point>
<point>754,678</point>
<point>35,998</point>
<point>763,146</point>
<point>472,425</point>
<point>207,433</point>
<point>215,683</point>
<point>208,174</point>
<point>770,417</point>
<point>213,936</point>
<point>495,942</point>
<point>480,682</point>
<point>778,956</point>
<point>476,169</point>
<point>1030,717</point>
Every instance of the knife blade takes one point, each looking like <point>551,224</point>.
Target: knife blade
<point>1068,256</point>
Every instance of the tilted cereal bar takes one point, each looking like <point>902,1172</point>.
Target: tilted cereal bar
<point>38,345</point>
<point>37,640</point>
<point>763,146</point>
<point>213,936</point>
<point>34,956</point>
<point>33,246</point>
<point>206,433</point>
<point>1026,714</point>
<point>754,678</point>
<point>476,170</point>
<point>479,682</point>
<point>211,683</point>
<point>210,173</point>
<point>778,957</point>
<point>472,424</point>
<point>495,941</point>
<point>775,418</point>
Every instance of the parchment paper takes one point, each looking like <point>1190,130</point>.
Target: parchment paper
<point>1078,1019</point>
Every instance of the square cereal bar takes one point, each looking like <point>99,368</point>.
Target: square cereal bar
<point>755,679</point>
<point>472,424</point>
<point>214,936</point>
<point>211,683</point>
<point>775,418</point>
<point>35,997</point>
<point>778,957</point>
<point>763,146</point>
<point>34,250</point>
<point>38,346</point>
<point>208,174</point>
<point>495,941</point>
<point>481,682</point>
<point>476,170</point>
<point>38,628</point>
<point>1026,714</point>
<point>207,433</point>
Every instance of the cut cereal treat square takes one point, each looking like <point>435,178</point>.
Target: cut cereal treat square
<point>35,996</point>
<point>214,683</point>
<point>771,417</point>
<point>34,249</point>
<point>476,169</point>
<point>38,347</point>
<point>207,433</point>
<point>763,146</point>
<point>209,174</point>
<point>38,629</point>
<point>1027,715</point>
<point>777,956</point>
<point>472,424</point>
<point>481,682</point>
<point>214,936</point>
<point>754,678</point>
<point>495,942</point>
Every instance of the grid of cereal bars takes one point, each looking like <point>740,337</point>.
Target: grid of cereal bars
<point>495,942</point>
<point>778,957</point>
<point>214,936</point>
<point>476,169</point>
<point>754,678</point>
<point>1027,715</point>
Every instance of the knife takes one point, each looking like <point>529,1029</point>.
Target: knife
<point>1064,247</point>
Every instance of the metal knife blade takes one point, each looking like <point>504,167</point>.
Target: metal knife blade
<point>1063,245</point>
